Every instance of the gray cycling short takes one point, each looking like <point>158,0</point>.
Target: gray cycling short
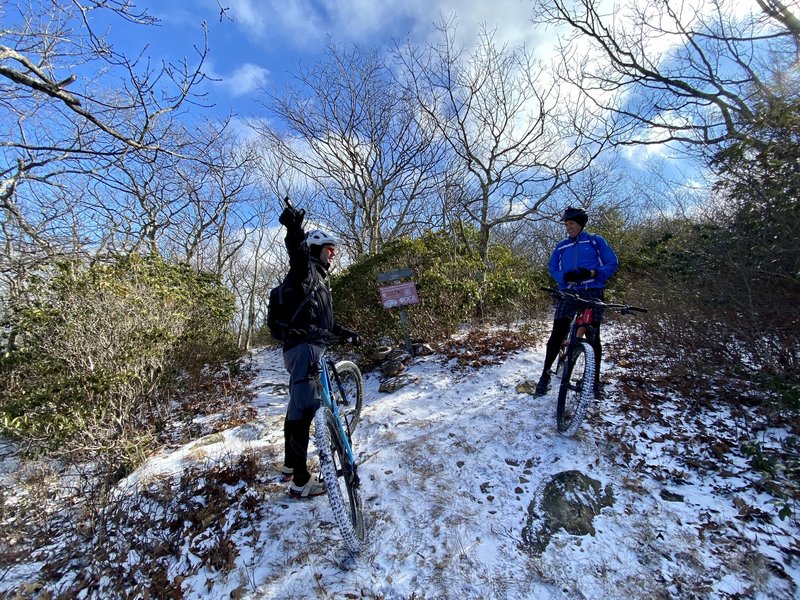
<point>303,364</point>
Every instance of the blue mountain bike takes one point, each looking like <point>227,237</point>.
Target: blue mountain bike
<point>342,395</point>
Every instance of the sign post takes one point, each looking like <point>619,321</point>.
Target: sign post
<point>399,295</point>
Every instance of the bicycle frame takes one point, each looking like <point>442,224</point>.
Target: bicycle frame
<point>327,400</point>
<point>581,325</point>
<point>577,360</point>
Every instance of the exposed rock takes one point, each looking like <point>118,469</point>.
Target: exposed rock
<point>381,353</point>
<point>392,368</point>
<point>399,355</point>
<point>526,387</point>
<point>395,383</point>
<point>569,501</point>
<point>394,363</point>
<point>670,496</point>
<point>421,349</point>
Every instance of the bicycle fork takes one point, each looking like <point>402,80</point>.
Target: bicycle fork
<point>582,322</point>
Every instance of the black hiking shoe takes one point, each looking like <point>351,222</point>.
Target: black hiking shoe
<point>543,385</point>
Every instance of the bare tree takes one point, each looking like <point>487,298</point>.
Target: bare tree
<point>218,184</point>
<point>251,273</point>
<point>73,109</point>
<point>602,188</point>
<point>59,117</point>
<point>508,129</point>
<point>259,261</point>
<point>139,200</point>
<point>360,140</point>
<point>671,71</point>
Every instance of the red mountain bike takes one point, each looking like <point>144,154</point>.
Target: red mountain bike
<point>576,360</point>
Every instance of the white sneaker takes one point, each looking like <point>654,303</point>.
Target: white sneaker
<point>312,488</point>
<point>284,472</point>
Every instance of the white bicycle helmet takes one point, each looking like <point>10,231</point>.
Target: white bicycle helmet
<point>317,237</point>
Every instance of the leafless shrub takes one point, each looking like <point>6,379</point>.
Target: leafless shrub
<point>145,538</point>
<point>482,346</point>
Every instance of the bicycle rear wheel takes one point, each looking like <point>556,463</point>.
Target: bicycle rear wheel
<point>575,391</point>
<point>341,481</point>
<point>349,376</point>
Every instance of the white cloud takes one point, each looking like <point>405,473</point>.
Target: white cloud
<point>245,79</point>
<point>510,18</point>
<point>250,18</point>
<point>304,24</point>
<point>361,19</point>
<point>297,21</point>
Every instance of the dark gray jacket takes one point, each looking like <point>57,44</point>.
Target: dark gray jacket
<point>315,321</point>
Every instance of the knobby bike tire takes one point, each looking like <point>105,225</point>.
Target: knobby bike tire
<point>339,478</point>
<point>576,390</point>
<point>353,384</point>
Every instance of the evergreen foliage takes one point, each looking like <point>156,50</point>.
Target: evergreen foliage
<point>726,285</point>
<point>103,345</point>
<point>453,284</point>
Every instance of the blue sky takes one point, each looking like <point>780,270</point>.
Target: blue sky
<point>258,43</point>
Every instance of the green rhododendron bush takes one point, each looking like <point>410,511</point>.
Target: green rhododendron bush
<point>100,349</point>
<point>454,288</point>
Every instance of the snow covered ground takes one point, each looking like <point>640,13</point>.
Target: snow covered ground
<point>450,465</point>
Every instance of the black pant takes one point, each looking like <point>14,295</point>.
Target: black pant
<point>557,336</point>
<point>296,438</point>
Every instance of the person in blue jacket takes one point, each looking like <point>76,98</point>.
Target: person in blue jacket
<point>582,263</point>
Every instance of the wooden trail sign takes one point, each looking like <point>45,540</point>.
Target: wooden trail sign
<point>399,295</point>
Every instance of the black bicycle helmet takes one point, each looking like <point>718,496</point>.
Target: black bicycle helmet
<point>576,214</point>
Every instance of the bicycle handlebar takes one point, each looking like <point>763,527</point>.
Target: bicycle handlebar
<point>621,308</point>
<point>341,339</point>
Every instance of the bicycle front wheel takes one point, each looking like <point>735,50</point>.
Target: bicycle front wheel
<point>349,377</point>
<point>559,370</point>
<point>341,481</point>
<point>576,389</point>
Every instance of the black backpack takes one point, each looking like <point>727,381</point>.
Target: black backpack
<point>285,303</point>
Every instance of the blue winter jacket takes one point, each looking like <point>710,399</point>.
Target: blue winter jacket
<point>588,251</point>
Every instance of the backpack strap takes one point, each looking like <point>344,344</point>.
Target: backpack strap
<point>306,300</point>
